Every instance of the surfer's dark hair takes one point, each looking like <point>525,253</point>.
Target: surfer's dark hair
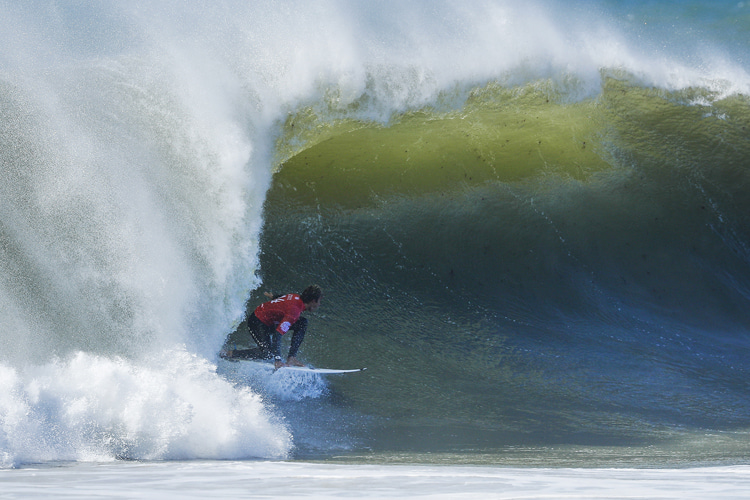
<point>311,294</point>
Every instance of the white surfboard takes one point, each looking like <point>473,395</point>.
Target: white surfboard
<point>308,369</point>
<point>305,369</point>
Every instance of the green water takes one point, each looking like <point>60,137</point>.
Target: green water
<point>528,270</point>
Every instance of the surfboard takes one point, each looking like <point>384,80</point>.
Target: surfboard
<point>309,369</point>
<point>303,369</point>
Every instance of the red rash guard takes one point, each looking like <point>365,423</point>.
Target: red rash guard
<point>281,312</point>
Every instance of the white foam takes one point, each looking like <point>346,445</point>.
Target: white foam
<point>93,408</point>
<point>307,480</point>
<point>282,385</point>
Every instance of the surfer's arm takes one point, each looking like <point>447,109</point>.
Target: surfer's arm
<point>283,326</point>
<point>276,344</point>
<point>290,317</point>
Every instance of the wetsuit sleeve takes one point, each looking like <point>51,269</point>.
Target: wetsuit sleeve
<point>275,344</point>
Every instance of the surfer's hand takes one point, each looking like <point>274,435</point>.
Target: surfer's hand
<point>292,361</point>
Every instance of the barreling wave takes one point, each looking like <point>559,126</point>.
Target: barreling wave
<point>543,271</point>
<point>448,171</point>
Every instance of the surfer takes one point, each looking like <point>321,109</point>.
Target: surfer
<point>274,318</point>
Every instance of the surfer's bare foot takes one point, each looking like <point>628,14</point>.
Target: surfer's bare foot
<point>226,353</point>
<point>292,361</point>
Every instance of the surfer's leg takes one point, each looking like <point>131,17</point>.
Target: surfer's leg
<point>254,353</point>
<point>299,328</point>
<point>261,334</point>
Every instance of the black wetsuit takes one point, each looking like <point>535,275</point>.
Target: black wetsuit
<point>269,340</point>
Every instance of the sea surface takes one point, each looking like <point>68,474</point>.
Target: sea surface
<point>531,220</point>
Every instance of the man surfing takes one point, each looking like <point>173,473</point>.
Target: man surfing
<point>272,319</point>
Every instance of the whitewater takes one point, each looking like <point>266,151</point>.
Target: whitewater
<point>138,147</point>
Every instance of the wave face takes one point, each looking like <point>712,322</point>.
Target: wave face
<point>531,272</point>
<point>531,220</point>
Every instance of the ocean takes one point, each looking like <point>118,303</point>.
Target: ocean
<point>531,221</point>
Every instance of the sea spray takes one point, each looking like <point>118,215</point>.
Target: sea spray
<point>281,385</point>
